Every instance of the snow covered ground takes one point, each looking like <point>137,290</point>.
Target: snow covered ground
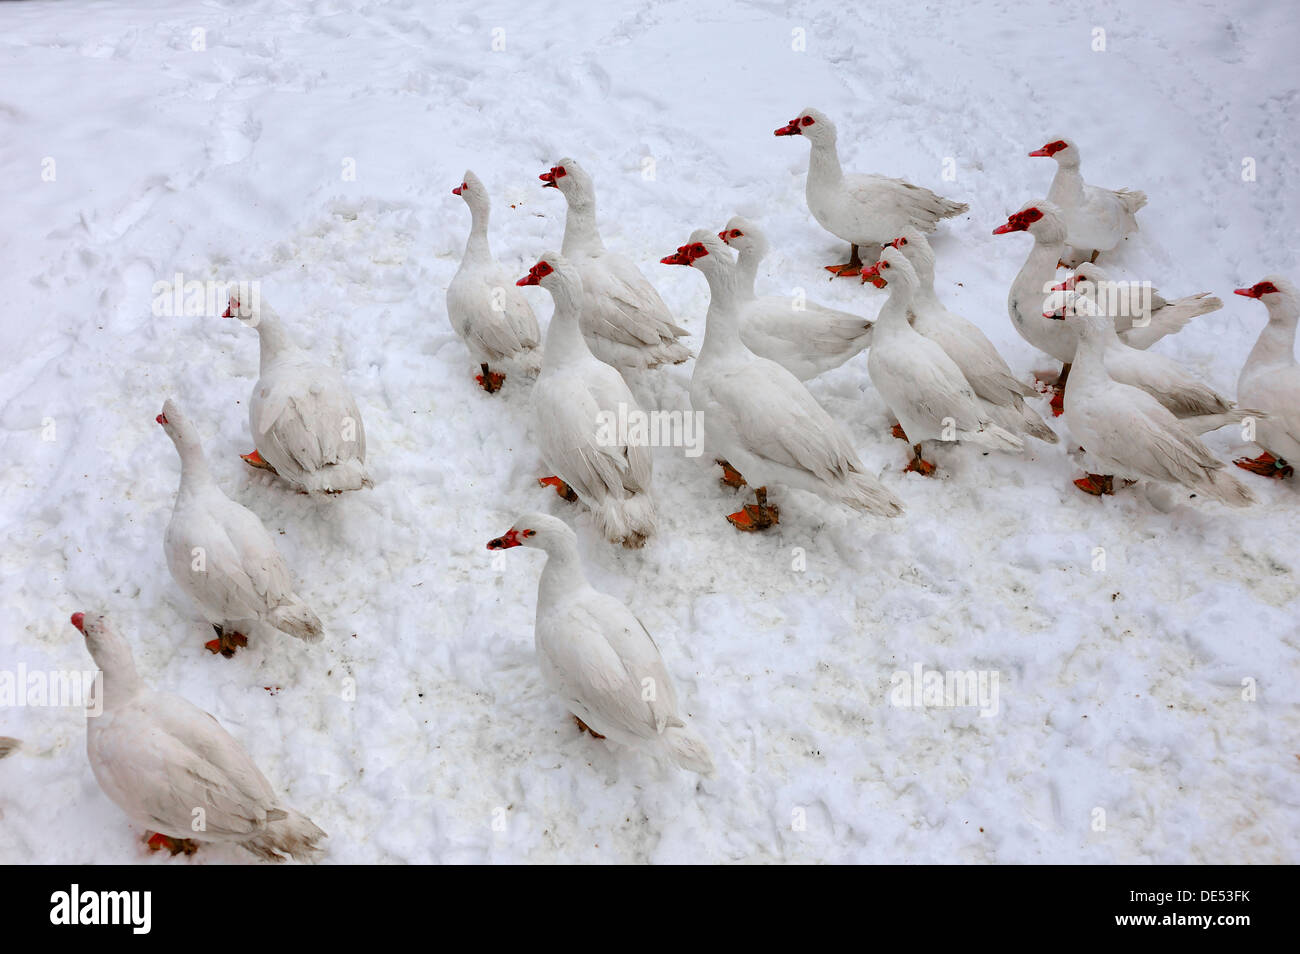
<point>1121,732</point>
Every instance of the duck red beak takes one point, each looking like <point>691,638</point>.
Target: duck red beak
<point>791,129</point>
<point>457,190</point>
<point>507,540</point>
<point>549,178</point>
<point>161,418</point>
<point>677,258</point>
<point>723,235</point>
<point>1010,226</point>
<point>79,621</point>
<point>1067,285</point>
<point>1041,153</point>
<point>226,313</point>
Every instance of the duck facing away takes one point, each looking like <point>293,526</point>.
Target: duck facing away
<point>305,422</point>
<point>1129,432</point>
<point>867,211</point>
<point>803,337</point>
<point>175,771</point>
<point>485,308</point>
<point>1270,379</point>
<point>219,553</point>
<point>1096,219</point>
<point>607,471</point>
<point>760,421</point>
<point>626,323</point>
<point>598,657</point>
<point>923,386</point>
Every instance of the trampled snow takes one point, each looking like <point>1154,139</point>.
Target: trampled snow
<point>1146,663</point>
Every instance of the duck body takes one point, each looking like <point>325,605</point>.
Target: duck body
<point>574,393</point>
<point>486,310</point>
<point>174,770</point>
<point>1270,378</point>
<point>757,415</point>
<point>598,657</point>
<point>625,322</point>
<point>805,338</point>
<point>305,422</point>
<point>219,553</point>
<point>1096,219</point>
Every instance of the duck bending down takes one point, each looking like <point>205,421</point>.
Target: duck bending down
<point>175,771</point>
<point>305,422</point>
<point>223,558</point>
<point>865,210</point>
<point>624,320</point>
<point>803,337</point>
<point>1270,379</point>
<point>1129,432</point>
<point>759,419</point>
<point>574,393</point>
<point>598,657</point>
<point>1196,404</point>
<point>485,308</point>
<point>921,384</point>
<point>1096,219</point>
<point>1033,286</point>
<point>979,362</point>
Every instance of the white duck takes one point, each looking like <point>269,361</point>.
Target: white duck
<point>1033,286</point>
<point>1193,402</point>
<point>803,337</point>
<point>598,657</point>
<point>222,556</point>
<point>1270,379</point>
<point>624,320</point>
<point>574,392</point>
<point>758,418</point>
<point>1096,219</point>
<point>1129,432</point>
<point>867,211</point>
<point>175,771</point>
<point>485,308</point>
<point>979,362</point>
<point>917,379</point>
<point>305,422</point>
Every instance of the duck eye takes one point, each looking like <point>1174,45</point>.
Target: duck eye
<point>903,242</point>
<point>530,533</point>
<point>807,120</point>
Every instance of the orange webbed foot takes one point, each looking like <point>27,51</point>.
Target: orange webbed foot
<point>730,476</point>
<point>490,381</point>
<point>586,728</point>
<point>1266,465</point>
<point>1096,484</point>
<point>847,270</point>
<point>226,643</point>
<point>756,516</point>
<point>919,465</point>
<point>561,488</point>
<point>157,842</point>
<point>256,460</point>
<point>899,433</point>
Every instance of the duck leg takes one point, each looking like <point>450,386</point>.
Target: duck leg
<point>919,464</point>
<point>756,516</point>
<point>586,728</point>
<point>489,381</point>
<point>730,476</point>
<point>899,432</point>
<point>853,267</point>
<point>561,488</point>
<point>156,841</point>
<point>256,460</point>
<point>1057,388</point>
<point>226,643</point>
<point>1266,465</point>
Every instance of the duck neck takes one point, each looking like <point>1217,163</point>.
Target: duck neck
<point>893,317</point>
<point>722,322</point>
<point>747,273</point>
<point>562,575</point>
<point>1275,347</point>
<point>1089,359</point>
<point>477,249</point>
<point>580,232</point>
<point>121,683</point>
<point>564,340</point>
<point>824,165</point>
<point>194,466</point>
<point>274,338</point>
<point>1067,186</point>
<point>1027,291</point>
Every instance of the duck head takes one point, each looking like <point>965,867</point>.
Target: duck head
<point>1038,217</point>
<point>892,269</point>
<point>471,189</point>
<point>1063,150</point>
<point>705,251</point>
<point>812,124</point>
<point>535,530</point>
<point>571,179</point>
<point>744,236</point>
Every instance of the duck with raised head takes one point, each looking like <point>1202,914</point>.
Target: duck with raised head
<point>607,471</point>
<point>868,211</point>
<point>598,657</point>
<point>759,419</point>
<point>1270,379</point>
<point>626,323</point>
<point>1096,219</point>
<point>487,311</point>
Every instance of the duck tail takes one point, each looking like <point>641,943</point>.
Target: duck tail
<point>1222,486</point>
<point>295,618</point>
<point>864,492</point>
<point>291,833</point>
<point>688,749</point>
<point>629,520</point>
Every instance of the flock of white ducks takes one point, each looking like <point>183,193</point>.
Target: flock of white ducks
<point>1138,414</point>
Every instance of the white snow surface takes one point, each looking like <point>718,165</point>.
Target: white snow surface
<point>1121,690</point>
